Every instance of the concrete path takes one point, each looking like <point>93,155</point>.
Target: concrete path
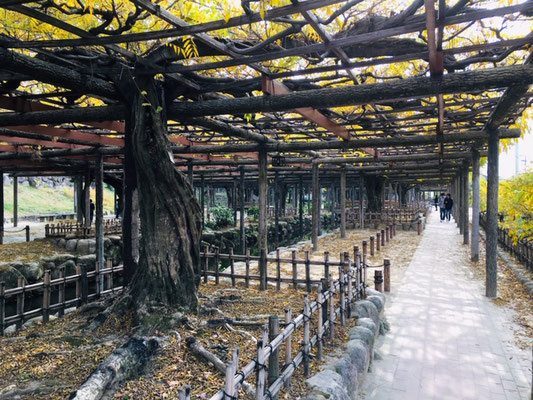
<point>447,341</point>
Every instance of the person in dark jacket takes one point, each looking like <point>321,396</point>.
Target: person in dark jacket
<point>436,202</point>
<point>448,205</point>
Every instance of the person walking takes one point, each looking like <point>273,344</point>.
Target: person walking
<point>448,205</point>
<point>91,212</point>
<point>436,202</point>
<point>441,207</point>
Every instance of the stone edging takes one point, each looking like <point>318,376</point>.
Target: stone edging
<point>517,270</point>
<point>342,377</point>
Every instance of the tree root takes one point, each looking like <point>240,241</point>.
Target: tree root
<point>241,332</point>
<point>33,389</point>
<point>127,362</point>
<point>206,356</point>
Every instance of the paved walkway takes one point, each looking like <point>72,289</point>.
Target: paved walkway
<point>447,341</point>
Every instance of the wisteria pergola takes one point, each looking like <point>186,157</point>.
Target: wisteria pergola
<point>300,91</point>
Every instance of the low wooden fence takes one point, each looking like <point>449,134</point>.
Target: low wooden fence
<point>522,250</point>
<point>101,281</point>
<point>80,230</point>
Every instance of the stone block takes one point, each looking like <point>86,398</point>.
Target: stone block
<point>327,384</point>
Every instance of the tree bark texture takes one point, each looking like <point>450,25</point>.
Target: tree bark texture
<point>374,188</point>
<point>171,222</point>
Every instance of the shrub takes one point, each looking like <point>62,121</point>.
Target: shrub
<point>253,212</point>
<point>222,217</point>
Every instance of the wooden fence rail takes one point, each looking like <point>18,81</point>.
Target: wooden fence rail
<point>80,230</point>
<point>522,250</point>
<point>101,279</point>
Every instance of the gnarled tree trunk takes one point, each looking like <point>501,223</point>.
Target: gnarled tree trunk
<point>374,189</point>
<point>168,272</point>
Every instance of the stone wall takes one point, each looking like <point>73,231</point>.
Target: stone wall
<point>341,377</point>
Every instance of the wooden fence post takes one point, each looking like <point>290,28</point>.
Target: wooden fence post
<point>378,241</point>
<point>372,245</point>
<point>419,226</point>
<point>383,238</point>
<point>378,280</point>
<point>278,271</point>
<point>386,275</point>
<point>61,293</point>
<point>294,269</point>
<point>263,266</point>
<point>2,307</point>
<point>326,264</point>
<point>46,296</point>
<point>229,382</point>
<point>307,272</point>
<point>206,265</point>
<point>20,302</point>
<point>84,284</point>
<point>232,266</point>
<point>320,321</point>
<point>341,291</point>
<point>261,369</point>
<point>78,285</point>
<point>394,228</point>
<point>247,277</point>
<point>273,360</point>
<point>27,229</point>
<point>217,267</point>
<point>348,271</point>
<point>97,279</point>
<point>307,346</point>
<point>331,317</point>
<point>288,344</point>
<point>387,234</point>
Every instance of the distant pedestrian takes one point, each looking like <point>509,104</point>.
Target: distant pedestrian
<point>441,206</point>
<point>91,212</point>
<point>436,202</point>
<point>448,205</point>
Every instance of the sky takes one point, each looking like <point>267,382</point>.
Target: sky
<point>508,159</point>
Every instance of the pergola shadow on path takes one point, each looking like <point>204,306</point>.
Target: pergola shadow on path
<point>311,103</point>
<point>446,340</point>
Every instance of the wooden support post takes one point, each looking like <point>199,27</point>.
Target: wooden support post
<point>372,246</point>
<point>20,303</point>
<point>320,322</point>
<point>307,344</point>
<point>491,286</point>
<point>99,175</point>
<point>276,208</point>
<point>419,227</point>
<point>462,208</point>
<point>263,233</point>
<point>110,284</point>
<point>87,200</point>
<point>294,269</point>
<point>394,228</point>
<point>232,266</point>
<point>247,262</point>
<point>343,203</point>
<point>386,274</point>
<point>217,266</point>
<point>273,360</point>
<point>316,206</point>
<point>474,246</point>
<point>15,201</point>
<point>349,284</point>
<point>46,296</point>
<point>288,345</point>
<point>378,280</point>
<point>27,229</point>
<point>466,192</point>
<point>383,238</point>
<point>242,229</point>
<point>278,271</point>
<point>378,241</point>
<point>387,233</point>
<point>307,272</point>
